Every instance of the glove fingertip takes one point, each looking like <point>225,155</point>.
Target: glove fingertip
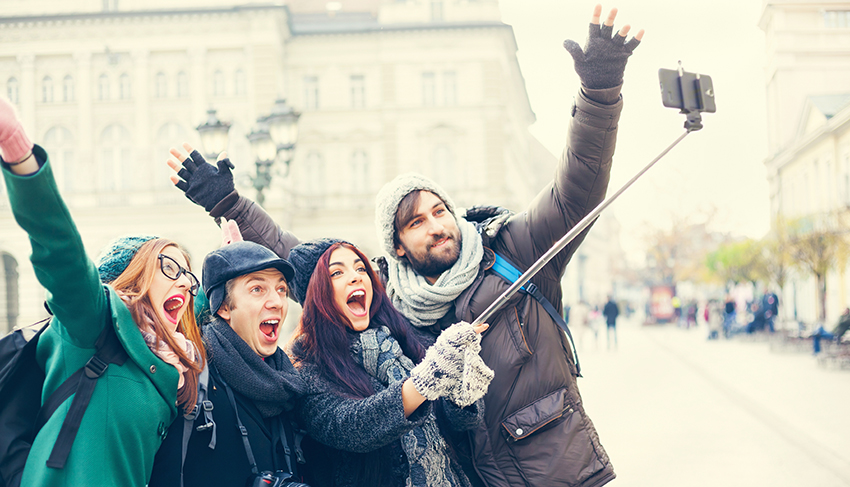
<point>182,186</point>
<point>189,164</point>
<point>197,157</point>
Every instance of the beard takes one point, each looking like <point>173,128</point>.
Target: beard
<point>431,264</point>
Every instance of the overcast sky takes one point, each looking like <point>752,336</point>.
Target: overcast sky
<point>719,168</point>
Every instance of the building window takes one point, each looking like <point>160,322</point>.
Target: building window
<point>116,161</point>
<point>182,85</point>
<point>161,85</point>
<point>68,88</point>
<point>47,89</point>
<point>218,83</point>
<point>311,92</point>
<point>165,137</point>
<point>358,91</point>
<point>450,88</point>
<point>836,19</point>
<point>436,10</point>
<point>10,296</point>
<point>360,172</point>
<point>59,143</point>
<point>240,85</point>
<point>428,89</point>
<point>125,87</point>
<point>110,5</point>
<point>12,89</point>
<point>103,87</point>
<point>443,167</point>
<point>315,180</point>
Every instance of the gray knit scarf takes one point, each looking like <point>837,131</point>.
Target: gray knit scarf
<point>424,303</point>
<point>427,453</point>
<point>272,383</point>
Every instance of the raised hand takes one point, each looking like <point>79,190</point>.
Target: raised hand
<point>602,61</point>
<point>204,184</point>
<point>446,364</point>
<point>14,143</point>
<point>230,232</point>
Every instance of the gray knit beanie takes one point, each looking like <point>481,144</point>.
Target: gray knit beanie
<point>116,256</point>
<point>390,196</point>
<point>304,258</point>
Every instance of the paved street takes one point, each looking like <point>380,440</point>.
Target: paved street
<point>674,409</point>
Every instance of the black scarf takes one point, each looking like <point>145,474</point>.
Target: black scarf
<point>272,384</point>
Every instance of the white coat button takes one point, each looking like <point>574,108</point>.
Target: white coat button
<point>519,431</point>
<point>153,369</point>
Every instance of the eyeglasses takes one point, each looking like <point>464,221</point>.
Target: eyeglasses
<point>173,271</point>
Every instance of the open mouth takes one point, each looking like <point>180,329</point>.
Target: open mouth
<point>172,307</point>
<point>269,328</point>
<point>357,302</point>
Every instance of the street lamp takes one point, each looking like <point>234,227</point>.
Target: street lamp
<point>274,138</point>
<point>213,134</point>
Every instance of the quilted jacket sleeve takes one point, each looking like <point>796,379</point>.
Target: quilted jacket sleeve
<point>255,224</point>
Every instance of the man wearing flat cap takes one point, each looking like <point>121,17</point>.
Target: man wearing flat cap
<point>245,428</point>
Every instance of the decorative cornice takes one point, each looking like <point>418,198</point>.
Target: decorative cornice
<point>74,17</point>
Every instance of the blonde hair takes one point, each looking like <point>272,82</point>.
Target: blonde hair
<point>134,283</point>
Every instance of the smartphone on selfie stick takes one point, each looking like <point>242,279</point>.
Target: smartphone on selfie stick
<point>691,93</point>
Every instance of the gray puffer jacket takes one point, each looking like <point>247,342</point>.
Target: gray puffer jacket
<point>535,429</point>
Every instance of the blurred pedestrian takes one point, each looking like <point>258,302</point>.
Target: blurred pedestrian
<point>611,311</point>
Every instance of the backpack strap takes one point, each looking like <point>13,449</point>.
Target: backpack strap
<point>507,271</point>
<point>243,430</point>
<point>202,406</point>
<point>81,384</point>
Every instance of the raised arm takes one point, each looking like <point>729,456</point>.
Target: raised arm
<point>75,293</point>
<point>582,174</point>
<point>212,188</point>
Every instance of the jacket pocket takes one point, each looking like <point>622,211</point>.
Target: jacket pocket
<point>517,333</point>
<point>548,441</point>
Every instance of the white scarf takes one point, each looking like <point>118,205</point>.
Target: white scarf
<point>424,303</point>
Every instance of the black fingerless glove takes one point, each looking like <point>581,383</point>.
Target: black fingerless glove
<point>602,62</point>
<point>204,184</point>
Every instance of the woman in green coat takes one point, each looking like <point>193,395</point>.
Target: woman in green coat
<point>148,302</point>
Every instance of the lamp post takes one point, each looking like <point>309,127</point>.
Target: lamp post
<point>213,134</point>
<point>273,138</point>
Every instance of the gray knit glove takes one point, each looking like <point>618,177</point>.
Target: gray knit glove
<point>475,378</point>
<point>603,61</point>
<point>441,371</point>
<point>204,184</point>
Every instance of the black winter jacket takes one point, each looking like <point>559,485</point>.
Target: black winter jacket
<point>227,464</point>
<point>535,430</point>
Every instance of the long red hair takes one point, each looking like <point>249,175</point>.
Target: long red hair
<point>134,283</point>
<point>325,333</point>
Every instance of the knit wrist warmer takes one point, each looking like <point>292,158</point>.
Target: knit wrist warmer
<point>442,369</point>
<point>17,146</point>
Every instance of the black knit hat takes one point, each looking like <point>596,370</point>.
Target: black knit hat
<point>234,260</point>
<point>304,258</point>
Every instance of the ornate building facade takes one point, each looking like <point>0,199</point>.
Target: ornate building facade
<point>384,87</point>
<point>808,100</point>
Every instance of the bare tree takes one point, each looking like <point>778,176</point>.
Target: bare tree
<point>816,246</point>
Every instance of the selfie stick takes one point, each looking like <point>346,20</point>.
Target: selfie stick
<point>692,124</point>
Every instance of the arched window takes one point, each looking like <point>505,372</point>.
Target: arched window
<point>12,89</point>
<point>125,87</point>
<point>59,143</point>
<point>165,139</point>
<point>67,88</point>
<point>9,297</point>
<point>218,83</point>
<point>444,169</point>
<point>315,176</point>
<point>360,172</point>
<point>103,87</point>
<point>239,83</point>
<point>116,166</point>
<point>47,90</point>
<point>161,85</point>
<point>182,85</point>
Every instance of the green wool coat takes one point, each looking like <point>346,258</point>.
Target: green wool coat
<point>132,405</point>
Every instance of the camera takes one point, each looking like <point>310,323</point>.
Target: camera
<point>278,478</point>
<point>689,92</point>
